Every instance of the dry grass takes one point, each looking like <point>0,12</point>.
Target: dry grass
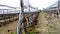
<point>48,25</point>
<point>11,26</point>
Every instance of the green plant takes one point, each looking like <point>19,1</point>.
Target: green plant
<point>12,33</point>
<point>33,32</point>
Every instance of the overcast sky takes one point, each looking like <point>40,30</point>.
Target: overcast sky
<point>35,3</point>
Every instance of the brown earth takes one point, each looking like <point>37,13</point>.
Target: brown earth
<point>9,28</point>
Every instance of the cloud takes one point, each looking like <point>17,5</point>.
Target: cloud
<point>35,3</point>
<point>42,3</point>
<point>14,3</point>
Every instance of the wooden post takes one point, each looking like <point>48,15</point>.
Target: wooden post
<point>19,28</point>
<point>58,10</point>
<point>30,18</point>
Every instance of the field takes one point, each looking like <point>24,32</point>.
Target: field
<point>47,25</point>
<point>9,28</point>
<point>8,24</point>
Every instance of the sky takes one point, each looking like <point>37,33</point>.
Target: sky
<point>40,4</point>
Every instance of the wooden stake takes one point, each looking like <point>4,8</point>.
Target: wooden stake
<point>19,28</point>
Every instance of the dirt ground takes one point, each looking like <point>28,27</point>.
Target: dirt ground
<point>9,28</point>
<point>48,25</point>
